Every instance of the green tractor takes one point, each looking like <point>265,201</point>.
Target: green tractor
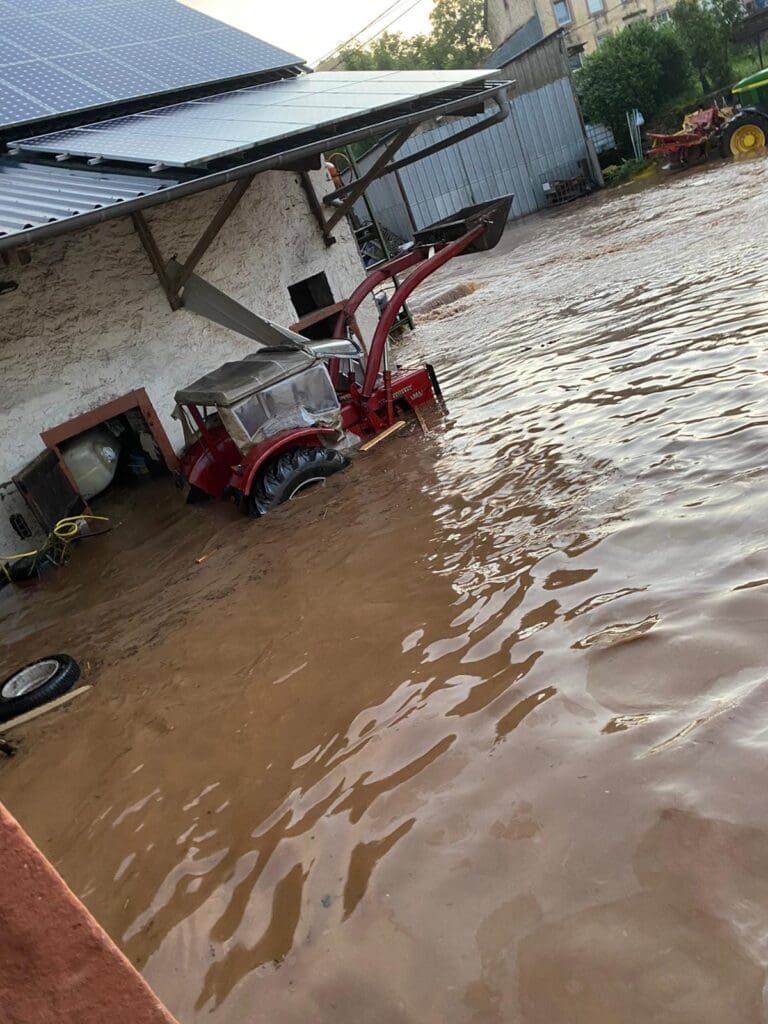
<point>747,131</point>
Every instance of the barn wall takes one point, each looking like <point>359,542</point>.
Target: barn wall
<point>542,140</point>
<point>89,322</point>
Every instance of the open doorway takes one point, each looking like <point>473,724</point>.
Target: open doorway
<point>119,444</point>
<point>308,296</point>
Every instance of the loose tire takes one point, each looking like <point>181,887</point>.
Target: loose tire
<point>36,684</point>
<point>746,133</point>
<point>289,473</point>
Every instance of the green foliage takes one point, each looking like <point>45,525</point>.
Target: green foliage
<point>457,40</point>
<point>728,14</point>
<point>704,32</point>
<point>392,51</point>
<point>639,67</point>
<point>618,174</point>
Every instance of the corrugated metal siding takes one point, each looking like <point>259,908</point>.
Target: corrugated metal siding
<point>543,139</point>
<point>32,195</point>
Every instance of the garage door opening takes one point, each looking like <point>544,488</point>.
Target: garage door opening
<point>117,445</point>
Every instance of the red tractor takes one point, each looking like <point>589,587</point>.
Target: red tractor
<point>261,429</point>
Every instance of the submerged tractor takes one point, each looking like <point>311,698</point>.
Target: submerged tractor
<point>261,429</point>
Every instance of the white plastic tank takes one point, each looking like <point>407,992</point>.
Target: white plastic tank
<point>92,459</point>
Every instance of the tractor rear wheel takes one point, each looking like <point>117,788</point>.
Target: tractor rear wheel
<point>290,473</point>
<point>746,133</point>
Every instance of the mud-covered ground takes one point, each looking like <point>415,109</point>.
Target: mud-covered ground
<point>478,732</point>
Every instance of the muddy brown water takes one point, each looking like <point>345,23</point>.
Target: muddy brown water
<point>479,732</point>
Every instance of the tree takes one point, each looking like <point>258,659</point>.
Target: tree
<point>457,40</point>
<point>704,32</point>
<point>392,51</point>
<point>639,67</point>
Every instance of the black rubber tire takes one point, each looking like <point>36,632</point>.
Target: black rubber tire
<point>288,472</point>
<point>64,677</point>
<point>754,117</point>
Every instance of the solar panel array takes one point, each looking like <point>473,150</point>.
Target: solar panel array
<point>62,56</point>
<point>202,130</point>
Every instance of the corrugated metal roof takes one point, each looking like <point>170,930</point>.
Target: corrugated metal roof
<point>32,195</point>
<point>39,200</point>
<point>520,40</point>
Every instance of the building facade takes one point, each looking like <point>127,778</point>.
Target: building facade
<point>88,322</point>
<point>513,25</point>
<point>149,204</point>
<point>540,150</point>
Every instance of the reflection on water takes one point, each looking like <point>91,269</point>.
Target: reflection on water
<point>479,733</point>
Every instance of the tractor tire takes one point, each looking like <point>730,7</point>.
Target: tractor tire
<point>745,134</point>
<point>36,684</point>
<point>290,472</point>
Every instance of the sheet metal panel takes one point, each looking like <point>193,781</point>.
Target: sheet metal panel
<point>199,131</point>
<point>57,57</point>
<point>542,139</point>
<point>32,195</point>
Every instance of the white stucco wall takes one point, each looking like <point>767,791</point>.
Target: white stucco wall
<point>89,321</point>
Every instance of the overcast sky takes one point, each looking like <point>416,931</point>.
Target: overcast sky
<point>312,28</point>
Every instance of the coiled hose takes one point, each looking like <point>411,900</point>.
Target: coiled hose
<point>54,550</point>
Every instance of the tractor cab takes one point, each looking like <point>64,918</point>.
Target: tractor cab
<point>241,413</point>
<point>263,395</point>
<point>261,428</point>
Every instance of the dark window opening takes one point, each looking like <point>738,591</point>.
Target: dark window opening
<point>309,295</point>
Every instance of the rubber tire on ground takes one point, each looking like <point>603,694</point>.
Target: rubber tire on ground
<point>746,117</point>
<point>63,679</point>
<point>279,480</point>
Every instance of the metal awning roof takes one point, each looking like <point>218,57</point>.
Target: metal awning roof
<point>32,197</point>
<point>205,130</point>
<point>40,198</point>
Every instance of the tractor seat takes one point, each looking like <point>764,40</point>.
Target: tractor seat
<point>334,348</point>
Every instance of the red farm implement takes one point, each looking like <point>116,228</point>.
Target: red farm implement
<point>699,136</point>
<point>261,429</point>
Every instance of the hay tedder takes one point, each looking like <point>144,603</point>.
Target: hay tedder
<point>699,136</point>
<point>261,429</point>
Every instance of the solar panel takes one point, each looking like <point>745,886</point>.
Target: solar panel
<point>63,56</point>
<point>16,104</point>
<point>199,131</point>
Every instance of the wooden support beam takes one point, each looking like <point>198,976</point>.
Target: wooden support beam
<point>316,207</point>
<point>346,197</point>
<point>172,285</point>
<point>217,222</point>
<point>155,258</point>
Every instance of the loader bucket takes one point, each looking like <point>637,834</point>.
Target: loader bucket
<point>493,214</point>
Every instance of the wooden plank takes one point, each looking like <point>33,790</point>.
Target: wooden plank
<point>384,434</point>
<point>36,712</point>
<point>420,419</point>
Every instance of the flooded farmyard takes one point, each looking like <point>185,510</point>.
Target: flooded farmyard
<point>478,731</point>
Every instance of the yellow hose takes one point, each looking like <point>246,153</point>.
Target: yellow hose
<point>65,531</point>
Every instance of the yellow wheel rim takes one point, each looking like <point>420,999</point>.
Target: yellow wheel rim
<point>747,138</point>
